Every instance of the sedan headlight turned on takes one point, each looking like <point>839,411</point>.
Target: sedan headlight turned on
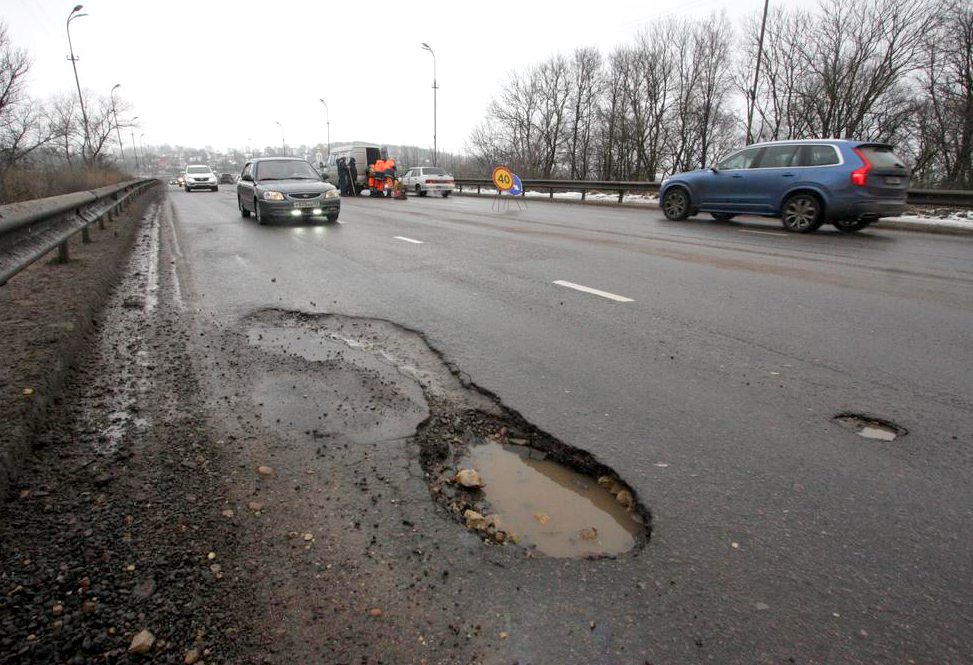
<point>285,187</point>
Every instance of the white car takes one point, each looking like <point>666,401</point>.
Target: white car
<point>200,176</point>
<point>422,180</point>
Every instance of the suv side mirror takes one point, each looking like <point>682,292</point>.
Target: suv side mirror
<point>247,177</point>
<point>324,176</point>
<point>714,169</point>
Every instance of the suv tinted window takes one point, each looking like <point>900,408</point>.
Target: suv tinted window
<point>818,155</point>
<point>198,169</point>
<point>372,155</point>
<point>777,157</point>
<point>881,157</point>
<point>741,160</point>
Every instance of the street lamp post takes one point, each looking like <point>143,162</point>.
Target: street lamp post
<point>328,123</point>
<point>145,164</point>
<point>435,88</point>
<point>283,142</point>
<point>118,131</point>
<point>131,131</point>
<point>74,64</point>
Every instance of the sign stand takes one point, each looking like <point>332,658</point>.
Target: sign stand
<point>505,181</point>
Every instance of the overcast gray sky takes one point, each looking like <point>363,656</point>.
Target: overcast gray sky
<point>210,72</point>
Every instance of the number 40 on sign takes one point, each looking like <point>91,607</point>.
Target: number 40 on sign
<point>503,178</point>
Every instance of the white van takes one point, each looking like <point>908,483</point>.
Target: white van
<point>364,154</point>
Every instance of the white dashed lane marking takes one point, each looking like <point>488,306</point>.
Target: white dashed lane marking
<point>416,242</point>
<point>597,292</point>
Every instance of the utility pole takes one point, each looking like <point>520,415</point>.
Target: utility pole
<point>328,123</point>
<point>283,142</point>
<point>435,89</point>
<point>118,131</point>
<point>74,64</point>
<point>135,149</point>
<point>756,75</point>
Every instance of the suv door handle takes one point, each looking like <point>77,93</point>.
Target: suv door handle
<point>736,175</point>
<point>787,175</point>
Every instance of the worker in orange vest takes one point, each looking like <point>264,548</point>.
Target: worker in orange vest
<point>377,182</point>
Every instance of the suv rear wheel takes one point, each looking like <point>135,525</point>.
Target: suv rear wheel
<point>675,204</point>
<point>851,225</point>
<point>802,213</point>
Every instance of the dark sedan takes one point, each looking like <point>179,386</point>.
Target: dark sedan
<point>285,187</point>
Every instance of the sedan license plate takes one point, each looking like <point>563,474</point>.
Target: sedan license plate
<point>893,181</point>
<point>306,204</point>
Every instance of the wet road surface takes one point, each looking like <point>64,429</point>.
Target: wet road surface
<point>704,362</point>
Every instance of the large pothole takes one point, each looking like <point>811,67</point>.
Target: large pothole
<point>530,490</point>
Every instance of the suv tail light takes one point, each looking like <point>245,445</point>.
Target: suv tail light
<point>860,176</point>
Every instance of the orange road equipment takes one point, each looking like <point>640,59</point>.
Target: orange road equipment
<point>390,176</point>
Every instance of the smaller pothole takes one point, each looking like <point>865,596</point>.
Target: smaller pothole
<point>516,485</point>
<point>870,427</point>
<point>548,506</point>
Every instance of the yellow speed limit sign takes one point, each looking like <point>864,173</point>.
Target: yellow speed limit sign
<point>503,178</point>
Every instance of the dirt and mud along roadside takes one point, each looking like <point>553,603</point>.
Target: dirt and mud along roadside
<point>286,487</point>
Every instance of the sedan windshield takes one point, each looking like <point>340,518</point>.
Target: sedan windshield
<point>286,170</point>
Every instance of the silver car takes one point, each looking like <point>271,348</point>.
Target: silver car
<point>425,179</point>
<point>200,176</point>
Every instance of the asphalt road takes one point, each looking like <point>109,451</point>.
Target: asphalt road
<point>710,388</point>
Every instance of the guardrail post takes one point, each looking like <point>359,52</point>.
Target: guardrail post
<point>85,237</point>
<point>552,193</point>
<point>62,252</point>
<point>584,192</point>
<point>621,195</point>
<point>477,189</point>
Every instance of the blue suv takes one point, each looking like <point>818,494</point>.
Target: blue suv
<point>805,183</point>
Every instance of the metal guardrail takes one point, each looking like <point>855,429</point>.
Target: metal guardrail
<point>30,229</point>
<point>931,197</point>
<point>583,186</point>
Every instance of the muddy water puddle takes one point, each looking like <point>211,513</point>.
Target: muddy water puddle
<point>545,505</point>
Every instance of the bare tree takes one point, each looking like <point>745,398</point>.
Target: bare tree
<point>21,128</point>
<point>943,149</point>
<point>585,87</point>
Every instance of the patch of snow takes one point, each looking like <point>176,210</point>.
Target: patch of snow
<point>961,219</point>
